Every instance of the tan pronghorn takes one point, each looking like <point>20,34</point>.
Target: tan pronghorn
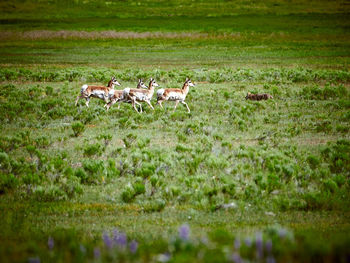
<point>178,95</point>
<point>100,92</point>
<point>118,95</point>
<point>136,95</point>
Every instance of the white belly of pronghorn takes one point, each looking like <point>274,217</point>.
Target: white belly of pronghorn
<point>141,96</point>
<point>176,96</point>
<point>99,94</point>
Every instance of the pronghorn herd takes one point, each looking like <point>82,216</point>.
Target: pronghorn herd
<point>142,93</point>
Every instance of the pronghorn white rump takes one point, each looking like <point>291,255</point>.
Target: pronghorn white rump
<point>178,95</point>
<point>100,92</point>
<point>136,95</point>
<point>118,95</point>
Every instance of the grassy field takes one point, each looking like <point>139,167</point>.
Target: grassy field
<point>264,181</point>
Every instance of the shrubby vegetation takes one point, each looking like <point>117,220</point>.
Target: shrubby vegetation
<point>229,150</point>
<point>272,75</point>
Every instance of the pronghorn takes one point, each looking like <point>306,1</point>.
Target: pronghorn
<point>263,96</point>
<point>178,95</point>
<point>136,95</point>
<point>100,92</point>
<point>118,95</point>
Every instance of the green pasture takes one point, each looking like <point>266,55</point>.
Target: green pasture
<point>232,169</point>
<point>24,9</point>
<point>281,162</point>
<point>251,51</point>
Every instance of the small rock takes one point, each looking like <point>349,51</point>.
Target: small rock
<point>275,192</point>
<point>229,206</point>
<point>268,213</point>
<point>189,131</point>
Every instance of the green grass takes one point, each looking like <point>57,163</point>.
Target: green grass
<point>151,8</point>
<point>295,23</point>
<point>72,173</point>
<point>162,53</point>
<point>74,217</point>
<point>227,150</point>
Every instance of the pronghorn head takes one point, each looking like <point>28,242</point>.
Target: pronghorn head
<point>153,83</point>
<point>141,84</point>
<point>189,82</point>
<point>113,82</point>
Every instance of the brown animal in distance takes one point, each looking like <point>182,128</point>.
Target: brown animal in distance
<point>263,96</point>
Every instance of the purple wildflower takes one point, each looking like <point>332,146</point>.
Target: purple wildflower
<point>50,243</point>
<point>121,240</point>
<point>270,259</point>
<point>184,232</point>
<point>204,240</point>
<point>115,235</point>
<point>237,244</point>
<point>259,245</point>
<point>107,240</point>
<point>82,249</point>
<point>268,245</point>
<point>34,260</point>
<point>115,232</point>
<point>236,258</point>
<point>248,242</point>
<point>133,246</point>
<point>97,253</point>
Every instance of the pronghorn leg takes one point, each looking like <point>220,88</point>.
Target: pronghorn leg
<point>76,101</point>
<point>177,102</point>
<point>105,99</point>
<point>78,97</point>
<point>160,103</point>
<point>119,102</point>
<point>149,103</point>
<point>188,109</point>
<point>109,104</point>
<point>87,101</point>
<point>139,106</point>
<point>133,102</point>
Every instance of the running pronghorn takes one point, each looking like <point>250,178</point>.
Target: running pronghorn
<point>118,95</point>
<point>100,92</point>
<point>178,95</point>
<point>136,95</point>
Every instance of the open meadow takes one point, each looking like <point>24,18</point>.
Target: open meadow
<point>234,180</point>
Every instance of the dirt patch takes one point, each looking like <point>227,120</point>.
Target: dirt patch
<point>66,34</point>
